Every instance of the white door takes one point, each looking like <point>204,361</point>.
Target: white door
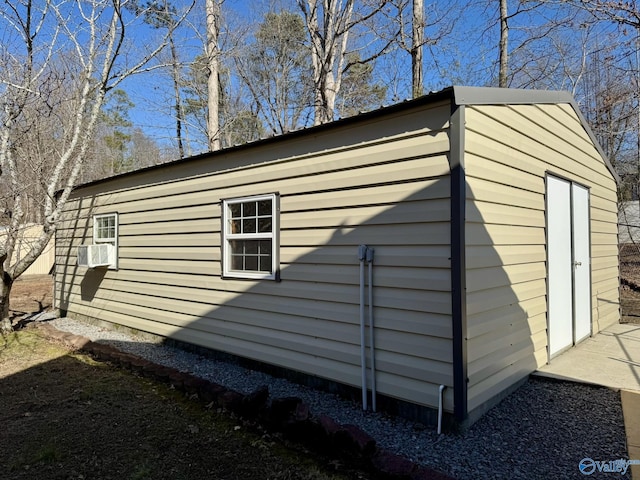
<point>560,301</point>
<point>581,263</point>
<point>569,278</point>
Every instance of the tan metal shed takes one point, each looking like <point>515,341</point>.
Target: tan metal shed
<point>492,214</point>
<point>28,234</point>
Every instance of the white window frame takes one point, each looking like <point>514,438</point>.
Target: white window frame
<point>112,240</point>
<point>228,236</point>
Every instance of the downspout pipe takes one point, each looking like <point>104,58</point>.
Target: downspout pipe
<point>372,347</point>
<point>440,407</point>
<point>362,257</point>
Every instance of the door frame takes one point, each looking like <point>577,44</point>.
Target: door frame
<point>571,240</point>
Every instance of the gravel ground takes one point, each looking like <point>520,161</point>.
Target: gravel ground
<point>541,431</point>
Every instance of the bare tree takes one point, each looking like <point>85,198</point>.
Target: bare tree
<point>329,24</point>
<point>523,35</point>
<point>162,14</point>
<point>276,69</point>
<point>504,46</point>
<point>90,38</point>
<point>359,92</point>
<point>239,122</point>
<point>621,12</point>
<point>412,29</point>
<point>417,45</point>
<point>213,61</point>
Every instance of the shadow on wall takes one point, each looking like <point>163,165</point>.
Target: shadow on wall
<point>90,283</point>
<point>307,325</point>
<point>64,279</point>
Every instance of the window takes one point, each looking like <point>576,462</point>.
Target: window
<point>250,237</point>
<point>105,230</point>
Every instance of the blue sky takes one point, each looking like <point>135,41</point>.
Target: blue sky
<point>467,55</point>
<point>153,95</point>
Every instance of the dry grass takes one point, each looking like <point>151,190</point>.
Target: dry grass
<point>66,416</point>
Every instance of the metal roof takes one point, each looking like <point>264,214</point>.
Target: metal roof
<point>458,95</point>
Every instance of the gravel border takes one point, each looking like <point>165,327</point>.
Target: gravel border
<point>543,430</point>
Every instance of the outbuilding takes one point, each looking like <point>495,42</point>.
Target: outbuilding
<point>484,220</point>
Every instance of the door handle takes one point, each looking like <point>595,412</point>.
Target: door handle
<point>577,264</point>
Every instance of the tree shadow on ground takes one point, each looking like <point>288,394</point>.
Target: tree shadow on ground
<point>65,415</point>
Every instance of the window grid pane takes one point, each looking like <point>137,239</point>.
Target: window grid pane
<point>251,255</point>
<point>105,228</point>
<point>251,217</point>
<point>250,228</point>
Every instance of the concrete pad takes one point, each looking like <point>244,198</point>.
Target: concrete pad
<point>631,412</point>
<point>610,358</point>
<point>634,454</point>
<point>631,409</point>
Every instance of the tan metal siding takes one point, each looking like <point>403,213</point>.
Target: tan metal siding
<point>27,236</point>
<point>509,150</point>
<point>391,193</point>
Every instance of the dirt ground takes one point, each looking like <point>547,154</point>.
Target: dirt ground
<point>630,279</point>
<point>630,304</point>
<point>31,294</point>
<point>66,416</point>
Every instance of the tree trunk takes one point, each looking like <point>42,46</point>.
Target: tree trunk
<point>213,84</point>
<point>417,43</point>
<point>329,95</point>
<point>504,54</point>
<point>175,71</point>
<point>5,291</point>
<point>28,88</point>
<point>310,11</point>
<point>328,51</point>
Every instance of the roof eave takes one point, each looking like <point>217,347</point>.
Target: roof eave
<point>514,96</point>
<point>511,96</point>
<point>458,95</point>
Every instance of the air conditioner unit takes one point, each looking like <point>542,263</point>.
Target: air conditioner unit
<point>100,255</point>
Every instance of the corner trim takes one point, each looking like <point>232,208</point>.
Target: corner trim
<point>458,261</point>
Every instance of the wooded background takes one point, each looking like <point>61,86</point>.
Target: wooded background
<point>93,88</point>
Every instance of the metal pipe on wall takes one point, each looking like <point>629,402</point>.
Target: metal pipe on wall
<point>372,347</point>
<point>362,257</point>
<point>440,407</point>
<point>365,256</point>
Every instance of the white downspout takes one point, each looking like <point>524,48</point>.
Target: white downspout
<point>371,331</point>
<point>440,407</point>
<point>362,256</point>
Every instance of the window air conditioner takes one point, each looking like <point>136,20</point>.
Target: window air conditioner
<point>100,255</point>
